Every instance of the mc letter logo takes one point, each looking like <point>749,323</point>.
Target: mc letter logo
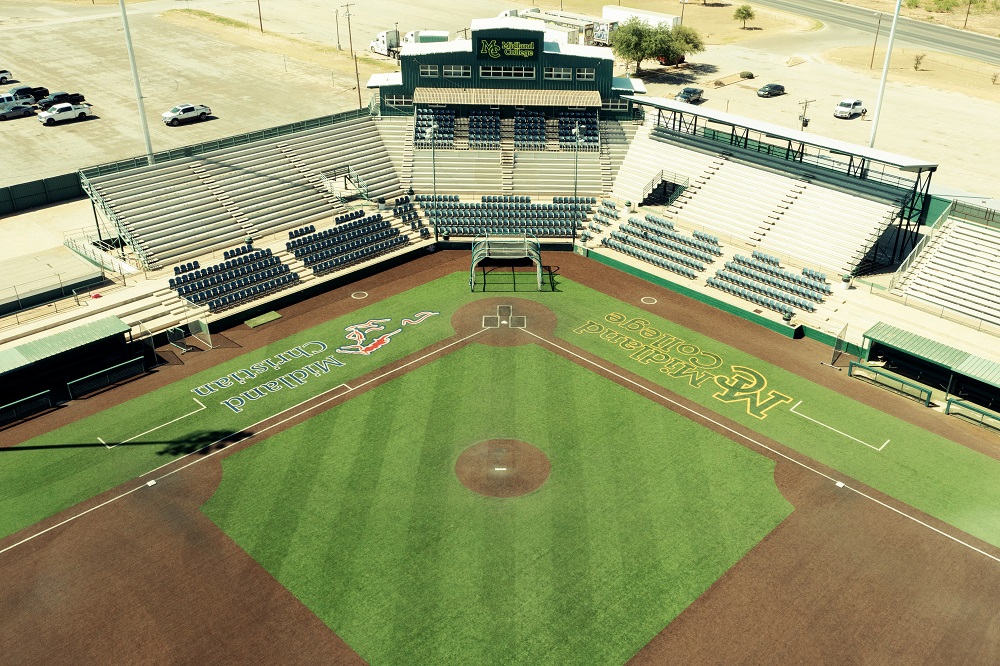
<point>490,47</point>
<point>747,385</point>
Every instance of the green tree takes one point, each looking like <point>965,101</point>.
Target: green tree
<point>631,41</point>
<point>635,41</point>
<point>744,13</point>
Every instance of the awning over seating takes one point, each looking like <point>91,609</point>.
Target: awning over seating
<point>46,345</point>
<point>505,97</point>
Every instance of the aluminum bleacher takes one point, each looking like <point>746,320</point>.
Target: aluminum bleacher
<point>960,271</point>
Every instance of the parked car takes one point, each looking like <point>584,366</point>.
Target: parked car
<point>184,112</point>
<point>16,111</point>
<point>58,112</point>
<point>664,60</point>
<point>849,107</point>
<point>5,76</point>
<point>771,90</point>
<point>24,92</point>
<point>60,98</point>
<point>689,95</point>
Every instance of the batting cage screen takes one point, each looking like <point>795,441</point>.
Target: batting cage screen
<point>199,331</point>
<point>106,377</point>
<point>18,409</point>
<point>839,345</point>
<point>890,381</point>
<point>176,336</point>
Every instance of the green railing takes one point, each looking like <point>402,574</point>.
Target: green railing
<point>890,381</point>
<point>983,417</point>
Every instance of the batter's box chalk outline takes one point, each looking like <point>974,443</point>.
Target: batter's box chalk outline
<point>491,321</point>
<point>518,321</point>
<point>505,311</point>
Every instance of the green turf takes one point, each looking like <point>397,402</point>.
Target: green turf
<point>937,476</point>
<point>358,512</point>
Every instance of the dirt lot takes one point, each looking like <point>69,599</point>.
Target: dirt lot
<point>149,579</point>
<point>294,70</point>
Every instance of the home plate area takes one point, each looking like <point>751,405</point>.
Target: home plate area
<point>502,321</point>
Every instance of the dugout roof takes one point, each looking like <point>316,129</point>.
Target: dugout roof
<point>26,353</point>
<point>507,97</point>
<point>958,361</point>
<point>901,162</point>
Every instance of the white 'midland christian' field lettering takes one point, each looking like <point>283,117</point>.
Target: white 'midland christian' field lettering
<point>291,380</point>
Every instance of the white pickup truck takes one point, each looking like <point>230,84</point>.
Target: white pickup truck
<point>185,112</point>
<point>64,111</point>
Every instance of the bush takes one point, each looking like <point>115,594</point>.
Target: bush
<point>746,75</point>
<point>912,4</point>
<point>917,60</point>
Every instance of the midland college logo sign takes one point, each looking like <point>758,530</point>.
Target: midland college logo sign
<point>507,49</point>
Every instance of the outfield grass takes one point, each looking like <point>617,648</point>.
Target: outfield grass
<point>937,476</point>
<point>359,513</point>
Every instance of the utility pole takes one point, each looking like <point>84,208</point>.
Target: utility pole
<point>350,43</point>
<point>464,31</point>
<point>875,43</point>
<point>260,18</point>
<point>336,17</point>
<point>804,119</point>
<point>968,10</point>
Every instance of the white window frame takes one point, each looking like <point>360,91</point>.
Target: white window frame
<point>558,73</point>
<point>457,71</point>
<point>507,71</point>
<point>617,104</point>
<point>397,101</point>
<point>426,71</point>
<point>586,74</point>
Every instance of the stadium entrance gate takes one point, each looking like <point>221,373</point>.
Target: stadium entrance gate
<point>505,246</point>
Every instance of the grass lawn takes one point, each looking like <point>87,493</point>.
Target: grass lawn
<point>359,513</point>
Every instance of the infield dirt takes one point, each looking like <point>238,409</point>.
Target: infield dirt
<point>149,579</point>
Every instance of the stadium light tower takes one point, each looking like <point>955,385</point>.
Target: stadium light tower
<point>576,169</point>
<point>138,88</point>
<point>431,135</point>
<point>885,74</point>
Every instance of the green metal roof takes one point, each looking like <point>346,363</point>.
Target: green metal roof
<point>30,352</point>
<point>958,361</point>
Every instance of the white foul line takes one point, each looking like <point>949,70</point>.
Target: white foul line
<point>764,446</point>
<point>152,483</point>
<point>126,441</point>
<point>871,446</point>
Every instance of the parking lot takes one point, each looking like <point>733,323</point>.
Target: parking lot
<point>294,71</point>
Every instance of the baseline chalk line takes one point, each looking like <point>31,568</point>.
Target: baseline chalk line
<point>126,441</point>
<point>809,418</point>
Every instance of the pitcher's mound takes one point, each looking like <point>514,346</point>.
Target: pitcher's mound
<point>502,468</point>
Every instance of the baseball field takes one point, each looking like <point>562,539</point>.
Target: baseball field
<point>401,471</point>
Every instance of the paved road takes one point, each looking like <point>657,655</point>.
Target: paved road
<point>933,37</point>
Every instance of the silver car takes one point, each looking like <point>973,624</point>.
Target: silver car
<point>16,111</point>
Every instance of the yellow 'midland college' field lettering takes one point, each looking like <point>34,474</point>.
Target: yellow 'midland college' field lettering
<point>680,359</point>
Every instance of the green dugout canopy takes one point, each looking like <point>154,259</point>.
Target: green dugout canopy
<point>949,358</point>
<point>46,346</point>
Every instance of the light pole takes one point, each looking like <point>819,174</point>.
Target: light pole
<point>431,135</point>
<point>877,28</point>
<point>135,81</point>
<point>576,170</point>
<point>885,74</point>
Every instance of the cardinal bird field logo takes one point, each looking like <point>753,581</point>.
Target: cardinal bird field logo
<point>369,337</point>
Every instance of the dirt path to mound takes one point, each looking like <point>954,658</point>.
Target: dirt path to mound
<point>149,578</point>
